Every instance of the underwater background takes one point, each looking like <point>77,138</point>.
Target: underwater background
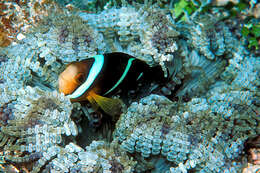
<point>205,119</point>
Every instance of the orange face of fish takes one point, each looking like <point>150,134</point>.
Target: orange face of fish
<point>72,77</point>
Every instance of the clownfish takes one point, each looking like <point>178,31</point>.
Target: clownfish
<point>98,77</point>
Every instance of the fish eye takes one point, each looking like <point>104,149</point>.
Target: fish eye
<point>80,78</point>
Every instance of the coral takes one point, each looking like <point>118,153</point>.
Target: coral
<point>251,168</point>
<point>135,32</point>
<point>97,157</point>
<point>159,38</point>
<point>18,16</point>
<point>242,71</point>
<point>118,26</point>
<point>215,35</point>
<point>202,72</point>
<point>26,66</point>
<point>158,128</point>
<point>33,123</point>
<point>246,23</point>
<point>70,39</point>
<point>35,132</point>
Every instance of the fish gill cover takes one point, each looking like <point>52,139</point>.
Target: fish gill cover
<point>198,121</point>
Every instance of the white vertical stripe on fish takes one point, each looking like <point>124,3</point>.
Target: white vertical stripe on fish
<point>129,63</point>
<point>93,73</point>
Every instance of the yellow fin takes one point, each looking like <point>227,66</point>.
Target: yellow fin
<point>93,103</point>
<point>108,105</point>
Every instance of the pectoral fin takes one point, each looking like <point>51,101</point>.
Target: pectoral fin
<point>94,104</point>
<point>108,105</point>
